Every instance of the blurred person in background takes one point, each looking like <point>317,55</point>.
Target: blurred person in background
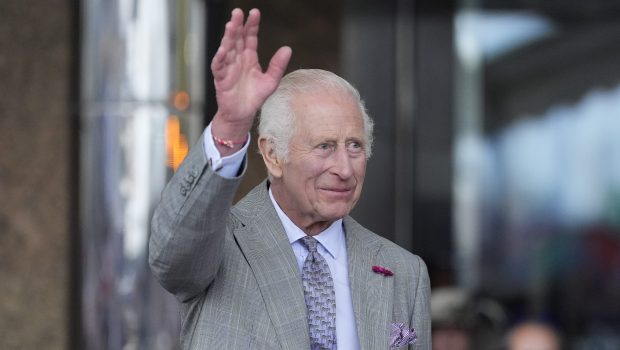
<point>452,319</point>
<point>533,335</point>
<point>461,321</point>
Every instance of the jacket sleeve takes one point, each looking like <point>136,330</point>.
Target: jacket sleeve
<point>189,225</point>
<point>421,315</point>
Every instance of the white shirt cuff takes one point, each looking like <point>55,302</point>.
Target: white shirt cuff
<point>225,166</point>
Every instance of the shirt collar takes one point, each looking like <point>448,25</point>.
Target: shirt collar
<point>332,238</point>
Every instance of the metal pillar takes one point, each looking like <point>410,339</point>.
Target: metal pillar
<point>141,94</point>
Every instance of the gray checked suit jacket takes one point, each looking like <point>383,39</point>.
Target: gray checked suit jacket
<point>239,285</point>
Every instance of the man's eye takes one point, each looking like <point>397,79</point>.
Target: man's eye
<point>355,146</point>
<point>324,146</point>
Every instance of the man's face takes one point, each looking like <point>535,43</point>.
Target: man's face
<point>322,179</point>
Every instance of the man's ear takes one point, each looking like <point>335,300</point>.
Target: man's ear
<point>272,162</point>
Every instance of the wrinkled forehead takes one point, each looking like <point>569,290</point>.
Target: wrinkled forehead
<point>324,113</point>
<point>324,97</point>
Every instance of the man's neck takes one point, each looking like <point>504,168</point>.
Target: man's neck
<point>306,224</point>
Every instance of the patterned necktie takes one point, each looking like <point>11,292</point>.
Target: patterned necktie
<point>320,298</point>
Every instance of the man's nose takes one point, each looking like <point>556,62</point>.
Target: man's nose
<point>342,163</point>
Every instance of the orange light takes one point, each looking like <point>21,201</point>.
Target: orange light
<point>181,101</point>
<point>176,143</point>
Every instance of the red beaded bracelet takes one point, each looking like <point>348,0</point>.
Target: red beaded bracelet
<point>229,143</point>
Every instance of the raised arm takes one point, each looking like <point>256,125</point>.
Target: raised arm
<point>189,225</point>
<point>241,86</point>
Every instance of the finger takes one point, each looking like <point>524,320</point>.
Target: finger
<point>226,53</point>
<point>232,26</point>
<point>217,63</point>
<point>239,33</point>
<point>227,42</point>
<point>278,63</point>
<point>232,30</point>
<point>221,56</point>
<point>251,30</point>
<point>229,35</point>
<point>236,17</point>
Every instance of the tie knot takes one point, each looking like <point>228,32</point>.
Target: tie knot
<point>310,243</point>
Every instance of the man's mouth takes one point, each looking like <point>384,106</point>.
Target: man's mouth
<point>338,191</point>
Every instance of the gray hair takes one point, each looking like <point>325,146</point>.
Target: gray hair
<point>277,120</point>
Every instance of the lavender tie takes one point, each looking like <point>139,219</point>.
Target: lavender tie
<point>320,298</point>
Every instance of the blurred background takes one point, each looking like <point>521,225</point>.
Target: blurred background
<point>497,155</point>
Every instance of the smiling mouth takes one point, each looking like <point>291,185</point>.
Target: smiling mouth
<point>337,191</point>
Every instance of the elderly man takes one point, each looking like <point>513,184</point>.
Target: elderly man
<point>286,267</point>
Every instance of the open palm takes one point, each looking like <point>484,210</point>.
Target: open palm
<point>241,87</point>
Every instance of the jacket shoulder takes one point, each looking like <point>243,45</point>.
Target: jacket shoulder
<point>391,253</point>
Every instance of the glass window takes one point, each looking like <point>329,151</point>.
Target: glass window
<point>537,166</point>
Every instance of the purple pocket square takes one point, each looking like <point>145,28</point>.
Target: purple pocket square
<point>401,335</point>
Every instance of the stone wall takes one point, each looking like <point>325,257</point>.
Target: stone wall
<point>35,173</point>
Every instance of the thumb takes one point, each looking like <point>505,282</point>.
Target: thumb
<point>278,63</point>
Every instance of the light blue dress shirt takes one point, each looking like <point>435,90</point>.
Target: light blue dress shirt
<point>332,245</point>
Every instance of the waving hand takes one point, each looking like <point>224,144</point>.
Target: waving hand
<point>241,86</point>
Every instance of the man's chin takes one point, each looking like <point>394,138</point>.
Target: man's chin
<point>333,213</point>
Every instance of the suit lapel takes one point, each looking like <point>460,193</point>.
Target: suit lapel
<point>371,293</point>
<point>268,252</point>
